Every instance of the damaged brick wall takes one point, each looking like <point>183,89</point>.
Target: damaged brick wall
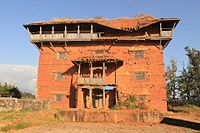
<point>7,104</point>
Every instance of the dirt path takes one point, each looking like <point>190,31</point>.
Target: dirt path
<point>76,127</point>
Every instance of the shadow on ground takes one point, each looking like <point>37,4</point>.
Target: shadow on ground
<point>181,123</point>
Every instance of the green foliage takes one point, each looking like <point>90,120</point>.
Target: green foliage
<point>6,128</point>
<point>7,90</point>
<point>172,80</point>
<point>22,125</point>
<point>27,95</point>
<point>186,86</point>
<point>185,108</point>
<point>129,103</point>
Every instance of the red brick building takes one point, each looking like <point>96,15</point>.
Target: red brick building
<point>93,63</point>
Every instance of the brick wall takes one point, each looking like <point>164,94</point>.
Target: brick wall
<point>7,104</point>
<point>153,85</point>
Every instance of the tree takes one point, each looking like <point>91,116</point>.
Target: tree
<point>7,90</point>
<point>193,73</point>
<point>171,78</point>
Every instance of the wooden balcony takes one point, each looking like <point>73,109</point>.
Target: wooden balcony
<point>90,81</point>
<point>166,34</point>
<point>68,36</point>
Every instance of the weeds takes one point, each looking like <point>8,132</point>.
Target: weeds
<point>6,128</point>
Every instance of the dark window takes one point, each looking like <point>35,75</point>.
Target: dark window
<point>139,75</point>
<point>59,76</point>
<point>58,97</point>
<point>99,51</point>
<point>138,54</point>
<point>61,55</point>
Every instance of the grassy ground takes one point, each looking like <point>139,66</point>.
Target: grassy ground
<point>15,120</point>
<point>185,109</point>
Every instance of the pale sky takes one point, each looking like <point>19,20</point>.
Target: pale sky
<point>17,51</point>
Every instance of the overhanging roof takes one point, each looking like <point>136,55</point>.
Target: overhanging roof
<point>125,24</point>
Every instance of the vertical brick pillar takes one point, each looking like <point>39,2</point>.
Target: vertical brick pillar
<point>79,98</point>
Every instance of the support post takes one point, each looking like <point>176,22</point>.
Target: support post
<point>91,30</point>
<point>115,72</point>
<point>104,72</point>
<point>65,32</point>
<point>160,28</point>
<point>40,31</point>
<point>90,98</point>
<point>78,31</point>
<point>91,71</point>
<point>79,70</point>
<point>79,98</point>
<point>104,98</point>
<point>52,30</point>
<point>28,31</point>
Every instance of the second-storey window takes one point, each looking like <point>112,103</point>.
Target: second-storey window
<point>61,55</point>
<point>139,75</point>
<point>59,76</point>
<point>138,54</point>
<point>99,52</point>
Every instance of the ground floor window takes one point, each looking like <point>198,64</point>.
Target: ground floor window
<point>58,97</point>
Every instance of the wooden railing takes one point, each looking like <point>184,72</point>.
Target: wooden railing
<point>90,81</point>
<point>68,36</point>
<point>166,33</point>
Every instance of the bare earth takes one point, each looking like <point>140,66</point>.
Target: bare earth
<point>78,127</point>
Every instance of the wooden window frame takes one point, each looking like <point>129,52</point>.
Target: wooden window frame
<point>58,97</point>
<point>140,75</point>
<point>99,51</point>
<point>61,55</point>
<point>138,54</point>
<point>59,76</point>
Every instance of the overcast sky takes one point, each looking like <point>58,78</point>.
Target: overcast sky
<point>19,58</point>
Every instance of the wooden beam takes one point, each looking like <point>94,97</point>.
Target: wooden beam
<point>52,30</point>
<point>104,71</point>
<point>65,33</point>
<point>90,98</point>
<point>28,31</point>
<point>79,70</point>
<point>51,45</point>
<point>78,29</point>
<point>160,28</point>
<point>104,99</point>
<point>91,29</point>
<point>91,70</point>
<point>115,72</point>
<point>40,30</point>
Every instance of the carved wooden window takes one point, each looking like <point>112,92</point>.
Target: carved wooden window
<point>58,97</point>
<point>61,55</point>
<point>99,52</point>
<point>138,54</point>
<point>139,75</point>
<point>59,76</point>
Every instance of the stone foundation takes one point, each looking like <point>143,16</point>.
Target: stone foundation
<point>7,104</point>
<point>116,116</point>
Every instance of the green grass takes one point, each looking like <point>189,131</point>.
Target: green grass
<point>185,108</point>
<point>6,128</point>
<point>22,125</point>
<point>16,120</point>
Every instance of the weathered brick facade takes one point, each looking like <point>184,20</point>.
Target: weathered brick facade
<point>126,71</point>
